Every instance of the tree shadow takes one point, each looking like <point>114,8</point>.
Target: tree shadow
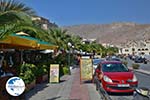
<point>33,91</point>
<point>87,81</point>
<point>54,98</point>
<point>61,81</point>
<point>37,88</point>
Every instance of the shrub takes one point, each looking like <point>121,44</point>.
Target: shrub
<point>65,70</point>
<point>135,66</point>
<point>41,70</point>
<point>27,72</point>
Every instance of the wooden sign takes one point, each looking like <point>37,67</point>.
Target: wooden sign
<point>86,69</point>
<point>54,73</point>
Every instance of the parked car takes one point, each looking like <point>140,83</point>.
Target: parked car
<point>116,77</point>
<point>140,60</point>
<point>113,58</point>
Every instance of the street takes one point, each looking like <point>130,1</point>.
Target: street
<point>144,80</point>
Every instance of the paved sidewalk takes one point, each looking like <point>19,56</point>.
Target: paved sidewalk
<point>69,88</point>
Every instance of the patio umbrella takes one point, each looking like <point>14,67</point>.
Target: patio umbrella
<point>46,45</point>
<point>24,41</point>
<point>15,41</point>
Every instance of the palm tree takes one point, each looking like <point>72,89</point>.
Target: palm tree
<point>58,37</point>
<point>13,5</point>
<point>76,41</point>
<point>12,12</point>
<point>14,16</point>
<point>112,50</point>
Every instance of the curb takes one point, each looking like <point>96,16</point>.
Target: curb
<point>142,71</point>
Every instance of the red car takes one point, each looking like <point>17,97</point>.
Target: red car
<point>116,77</point>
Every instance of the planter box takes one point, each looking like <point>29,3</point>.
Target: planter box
<point>31,85</point>
<point>41,79</point>
<point>3,93</point>
<point>45,77</point>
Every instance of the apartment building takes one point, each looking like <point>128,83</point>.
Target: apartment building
<point>136,47</point>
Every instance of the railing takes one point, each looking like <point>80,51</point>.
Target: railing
<point>99,88</point>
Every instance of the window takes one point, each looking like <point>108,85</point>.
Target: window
<point>139,49</point>
<point>133,49</point>
<point>126,50</point>
<point>142,49</point>
<point>142,53</point>
<point>146,49</point>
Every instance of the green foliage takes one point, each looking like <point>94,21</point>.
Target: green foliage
<point>65,70</point>
<point>58,37</point>
<point>61,59</point>
<point>135,66</point>
<point>27,72</point>
<point>16,17</point>
<point>13,5</point>
<point>41,70</point>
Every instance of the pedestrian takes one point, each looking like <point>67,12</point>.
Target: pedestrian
<point>99,73</point>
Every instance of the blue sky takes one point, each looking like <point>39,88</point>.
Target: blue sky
<point>74,12</point>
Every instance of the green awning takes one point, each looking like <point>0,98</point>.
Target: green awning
<point>46,45</point>
<point>17,41</point>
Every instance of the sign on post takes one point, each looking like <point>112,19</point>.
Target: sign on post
<point>54,73</point>
<point>86,69</point>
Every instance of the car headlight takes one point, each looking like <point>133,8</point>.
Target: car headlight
<point>107,79</point>
<point>134,79</point>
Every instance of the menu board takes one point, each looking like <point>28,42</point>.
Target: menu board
<point>86,69</point>
<point>54,73</point>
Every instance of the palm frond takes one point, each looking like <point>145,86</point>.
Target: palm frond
<point>11,17</point>
<point>13,5</point>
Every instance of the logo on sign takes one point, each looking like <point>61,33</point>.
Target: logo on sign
<point>15,86</point>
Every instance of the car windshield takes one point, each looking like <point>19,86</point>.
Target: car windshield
<point>114,67</point>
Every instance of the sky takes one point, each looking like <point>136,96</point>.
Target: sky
<point>75,12</point>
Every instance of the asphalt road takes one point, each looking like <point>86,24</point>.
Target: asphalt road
<point>144,80</point>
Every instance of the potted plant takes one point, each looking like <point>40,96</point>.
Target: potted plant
<point>28,75</point>
<point>41,73</point>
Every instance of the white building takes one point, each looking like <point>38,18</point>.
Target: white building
<point>136,48</point>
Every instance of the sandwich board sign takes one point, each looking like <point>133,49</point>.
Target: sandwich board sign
<point>86,69</point>
<point>54,73</point>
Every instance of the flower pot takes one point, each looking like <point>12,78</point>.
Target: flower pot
<point>41,79</point>
<point>30,85</point>
<point>45,77</point>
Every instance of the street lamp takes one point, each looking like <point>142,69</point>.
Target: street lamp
<point>69,45</point>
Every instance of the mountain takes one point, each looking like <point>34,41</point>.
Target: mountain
<point>115,33</point>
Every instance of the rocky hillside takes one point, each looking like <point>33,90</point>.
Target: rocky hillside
<point>115,33</point>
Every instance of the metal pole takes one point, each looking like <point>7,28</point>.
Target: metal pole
<point>69,62</point>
